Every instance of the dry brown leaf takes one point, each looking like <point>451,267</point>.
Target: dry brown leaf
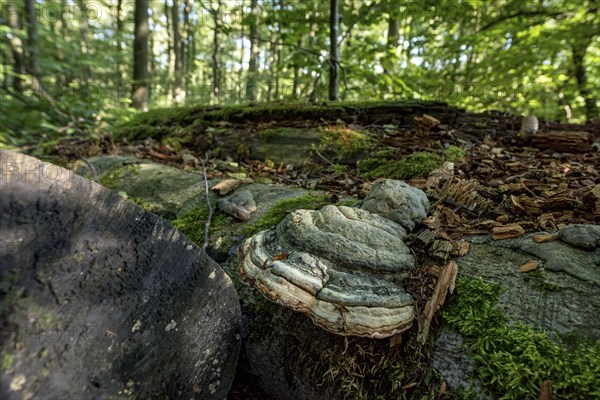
<point>529,266</point>
<point>544,238</point>
<point>507,231</point>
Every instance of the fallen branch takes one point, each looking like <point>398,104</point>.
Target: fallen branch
<point>210,208</point>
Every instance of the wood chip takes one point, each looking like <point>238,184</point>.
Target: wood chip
<point>591,200</point>
<point>507,231</point>
<point>530,265</point>
<point>460,248</point>
<point>229,185</point>
<point>544,238</point>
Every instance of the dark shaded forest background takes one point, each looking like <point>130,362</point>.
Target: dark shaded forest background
<point>77,67</point>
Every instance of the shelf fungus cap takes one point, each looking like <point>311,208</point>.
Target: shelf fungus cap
<point>341,266</point>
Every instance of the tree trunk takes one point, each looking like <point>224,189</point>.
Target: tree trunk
<point>579,51</point>
<point>33,67</point>
<point>83,41</point>
<point>253,63</point>
<point>177,51</point>
<point>186,44</point>
<point>333,51</point>
<point>121,67</point>
<point>16,47</point>
<point>140,90</point>
<point>170,55</point>
<point>215,56</point>
<point>393,39</point>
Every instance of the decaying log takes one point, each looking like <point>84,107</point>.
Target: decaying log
<point>565,141</point>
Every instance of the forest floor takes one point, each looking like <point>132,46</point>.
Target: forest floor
<point>479,180</point>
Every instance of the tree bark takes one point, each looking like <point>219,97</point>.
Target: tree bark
<point>140,91</point>
<point>333,51</point>
<point>253,63</point>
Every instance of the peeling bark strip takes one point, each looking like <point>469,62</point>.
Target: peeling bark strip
<point>445,285</point>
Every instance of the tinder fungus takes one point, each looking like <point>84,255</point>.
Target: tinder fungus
<point>342,266</point>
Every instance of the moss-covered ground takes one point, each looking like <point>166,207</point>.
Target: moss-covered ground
<point>387,163</point>
<point>513,359</point>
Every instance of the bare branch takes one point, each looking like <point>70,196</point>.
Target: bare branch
<point>210,208</point>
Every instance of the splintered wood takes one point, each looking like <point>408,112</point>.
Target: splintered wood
<point>444,285</point>
<point>507,231</point>
<point>229,185</point>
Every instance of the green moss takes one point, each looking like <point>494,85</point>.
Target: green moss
<point>267,134</point>
<point>512,360</point>
<point>192,223</point>
<point>283,208</point>
<point>113,179</point>
<point>344,142</point>
<point>7,361</point>
<point>454,154</point>
<point>540,281</point>
<point>386,164</point>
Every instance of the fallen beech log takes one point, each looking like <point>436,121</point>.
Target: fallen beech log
<point>565,141</point>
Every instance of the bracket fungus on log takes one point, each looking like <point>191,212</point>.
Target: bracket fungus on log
<point>341,266</point>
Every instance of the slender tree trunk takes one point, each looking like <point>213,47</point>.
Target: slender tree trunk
<point>140,92</point>
<point>333,51</point>
<point>16,45</point>
<point>579,51</point>
<point>216,89</point>
<point>170,55</point>
<point>121,66</point>
<point>253,63</point>
<point>32,40</point>
<point>186,44</point>
<point>177,51</point>
<point>83,41</point>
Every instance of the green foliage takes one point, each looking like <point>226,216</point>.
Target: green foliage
<point>283,208</point>
<point>514,359</point>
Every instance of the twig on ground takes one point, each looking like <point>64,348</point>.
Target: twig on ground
<point>91,167</point>
<point>210,208</point>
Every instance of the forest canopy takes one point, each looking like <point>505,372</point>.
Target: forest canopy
<point>77,67</point>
